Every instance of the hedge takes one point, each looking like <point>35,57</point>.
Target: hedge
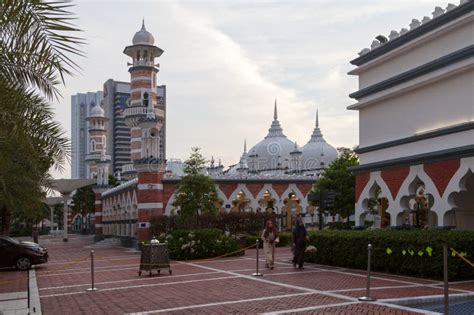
<point>198,244</point>
<point>284,237</point>
<point>423,251</point>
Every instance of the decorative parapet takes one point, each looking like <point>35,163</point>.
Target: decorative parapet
<point>439,14</point>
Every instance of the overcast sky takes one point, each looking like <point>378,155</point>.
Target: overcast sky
<point>226,61</point>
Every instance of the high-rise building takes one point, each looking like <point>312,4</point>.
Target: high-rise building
<point>114,99</point>
<point>81,105</point>
<point>116,95</point>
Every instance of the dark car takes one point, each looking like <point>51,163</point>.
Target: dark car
<point>22,255</point>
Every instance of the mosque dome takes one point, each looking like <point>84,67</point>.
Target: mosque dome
<point>273,152</point>
<point>97,111</point>
<point>317,153</point>
<point>143,37</point>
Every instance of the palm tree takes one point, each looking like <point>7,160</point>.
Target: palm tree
<point>34,58</point>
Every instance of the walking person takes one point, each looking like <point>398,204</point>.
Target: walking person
<point>269,237</point>
<point>299,243</point>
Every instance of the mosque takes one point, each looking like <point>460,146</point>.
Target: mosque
<point>274,175</point>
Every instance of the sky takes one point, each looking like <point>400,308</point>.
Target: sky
<point>225,62</point>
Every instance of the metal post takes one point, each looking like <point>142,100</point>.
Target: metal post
<point>257,274</point>
<point>367,297</point>
<point>92,288</point>
<point>445,274</point>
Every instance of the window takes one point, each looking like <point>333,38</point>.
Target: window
<point>145,99</point>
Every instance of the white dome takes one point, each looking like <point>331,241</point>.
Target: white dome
<point>143,37</point>
<point>317,151</point>
<point>273,152</point>
<point>97,111</point>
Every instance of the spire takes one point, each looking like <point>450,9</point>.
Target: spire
<point>275,129</point>
<point>275,113</point>
<point>245,145</point>
<point>143,25</point>
<point>317,119</point>
<point>317,136</point>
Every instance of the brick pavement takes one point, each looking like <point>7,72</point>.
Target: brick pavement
<point>216,286</point>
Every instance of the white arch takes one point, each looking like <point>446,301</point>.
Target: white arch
<point>438,206</point>
<point>248,194</point>
<point>375,178</point>
<point>299,194</point>
<point>169,204</point>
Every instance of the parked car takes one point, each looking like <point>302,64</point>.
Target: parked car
<point>22,255</point>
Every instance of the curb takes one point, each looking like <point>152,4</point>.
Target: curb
<point>34,298</point>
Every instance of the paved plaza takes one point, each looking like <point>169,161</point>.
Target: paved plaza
<point>209,286</point>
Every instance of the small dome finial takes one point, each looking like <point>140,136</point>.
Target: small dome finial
<point>245,145</point>
<point>275,113</point>
<point>143,24</point>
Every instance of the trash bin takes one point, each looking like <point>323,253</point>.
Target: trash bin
<point>154,257</point>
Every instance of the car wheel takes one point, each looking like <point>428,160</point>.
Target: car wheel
<point>23,263</point>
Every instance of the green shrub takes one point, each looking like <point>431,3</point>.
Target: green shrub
<point>349,249</point>
<point>285,239</point>
<point>197,244</point>
<point>340,225</point>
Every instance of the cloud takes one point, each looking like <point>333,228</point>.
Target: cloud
<point>225,63</point>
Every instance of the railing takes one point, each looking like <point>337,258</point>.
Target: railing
<point>141,110</point>
<point>128,168</point>
<point>96,156</point>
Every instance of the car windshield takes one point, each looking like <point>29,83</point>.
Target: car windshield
<point>11,240</point>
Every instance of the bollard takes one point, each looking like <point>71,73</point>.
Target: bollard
<point>367,297</point>
<point>257,274</point>
<point>92,288</point>
<point>445,276</point>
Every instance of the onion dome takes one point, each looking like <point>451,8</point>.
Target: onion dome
<point>273,152</point>
<point>317,153</point>
<point>97,111</point>
<point>143,37</point>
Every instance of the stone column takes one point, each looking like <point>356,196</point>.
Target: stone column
<point>149,194</point>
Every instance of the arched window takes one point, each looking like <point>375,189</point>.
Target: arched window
<point>145,99</point>
<point>92,146</point>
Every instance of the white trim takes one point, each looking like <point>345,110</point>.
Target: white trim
<point>98,202</point>
<point>136,151</point>
<point>150,205</point>
<point>135,139</point>
<point>146,225</point>
<point>413,84</point>
<point>413,44</point>
<point>98,225</point>
<point>140,79</point>
<point>150,186</point>
<point>98,214</point>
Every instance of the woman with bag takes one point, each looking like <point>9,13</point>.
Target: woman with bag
<point>270,238</point>
<point>299,243</point>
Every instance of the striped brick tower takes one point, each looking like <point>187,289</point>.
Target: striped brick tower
<point>145,120</point>
<point>143,115</point>
<point>98,213</point>
<point>149,195</point>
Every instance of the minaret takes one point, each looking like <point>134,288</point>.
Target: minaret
<point>98,162</point>
<point>145,119</point>
<point>143,116</point>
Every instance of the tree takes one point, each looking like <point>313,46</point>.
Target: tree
<point>196,192</point>
<point>338,178</point>
<point>34,48</point>
<point>83,202</point>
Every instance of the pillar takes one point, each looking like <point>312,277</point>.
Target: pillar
<point>149,196</point>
